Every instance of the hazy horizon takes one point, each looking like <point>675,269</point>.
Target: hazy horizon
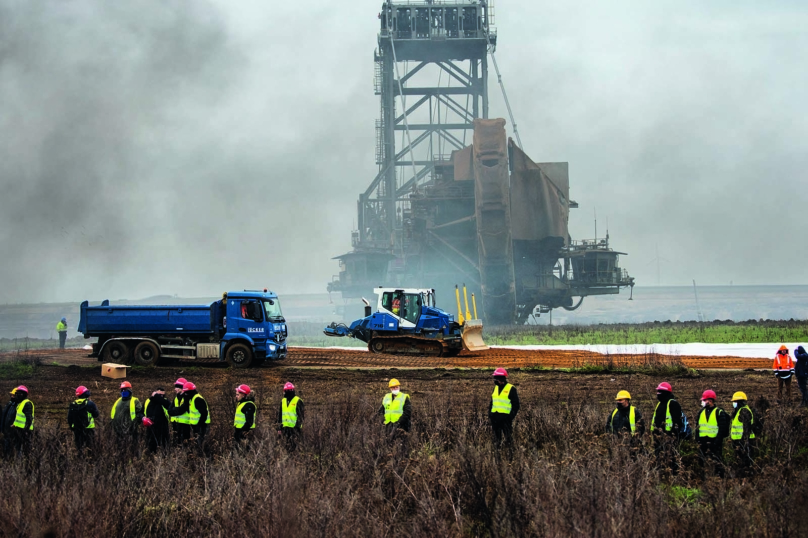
<point>194,146</point>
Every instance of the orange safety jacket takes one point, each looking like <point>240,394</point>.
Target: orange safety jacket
<point>783,362</point>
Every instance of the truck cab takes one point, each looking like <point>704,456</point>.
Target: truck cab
<point>255,318</point>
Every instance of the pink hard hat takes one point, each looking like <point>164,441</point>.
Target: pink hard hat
<point>189,386</point>
<point>180,382</point>
<point>148,422</point>
<point>288,386</point>
<point>126,385</point>
<point>665,386</point>
<point>22,388</point>
<point>244,389</point>
<point>500,372</point>
<point>81,390</point>
<point>709,395</point>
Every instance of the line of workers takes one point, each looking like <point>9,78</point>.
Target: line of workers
<point>188,415</point>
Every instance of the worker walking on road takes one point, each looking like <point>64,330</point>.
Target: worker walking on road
<point>61,328</point>
<point>396,409</point>
<point>801,371</point>
<point>126,416</point>
<point>713,428</point>
<point>180,420</point>
<point>504,407</point>
<point>784,371</point>
<point>625,418</point>
<point>156,420</point>
<point>81,417</point>
<point>743,433</point>
<point>244,421</point>
<point>290,416</point>
<point>23,423</point>
<point>667,425</point>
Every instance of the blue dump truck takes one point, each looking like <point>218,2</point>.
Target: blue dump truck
<point>243,328</point>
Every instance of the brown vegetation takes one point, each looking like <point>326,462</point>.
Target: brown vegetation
<point>563,477</point>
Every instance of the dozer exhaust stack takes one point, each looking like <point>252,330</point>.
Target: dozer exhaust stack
<point>472,328</point>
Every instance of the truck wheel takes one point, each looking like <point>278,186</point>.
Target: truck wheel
<point>146,354</point>
<point>116,352</point>
<point>239,356</point>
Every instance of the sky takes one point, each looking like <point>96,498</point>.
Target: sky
<point>191,146</point>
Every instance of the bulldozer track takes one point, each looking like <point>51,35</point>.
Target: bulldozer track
<point>495,357</point>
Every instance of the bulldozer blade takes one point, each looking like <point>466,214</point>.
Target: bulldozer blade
<point>473,335</point>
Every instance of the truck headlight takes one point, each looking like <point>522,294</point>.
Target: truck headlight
<point>272,347</point>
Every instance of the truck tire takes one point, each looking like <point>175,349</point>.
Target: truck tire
<point>117,352</point>
<point>146,354</point>
<point>239,356</point>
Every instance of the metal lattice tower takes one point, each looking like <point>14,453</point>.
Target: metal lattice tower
<point>432,59</point>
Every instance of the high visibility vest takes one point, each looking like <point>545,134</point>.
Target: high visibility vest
<point>736,433</point>
<point>631,419</point>
<point>19,420</point>
<point>289,412</point>
<point>61,327</point>
<point>132,412</point>
<point>783,363</point>
<point>241,418</point>
<point>502,404</point>
<point>146,409</point>
<point>708,427</point>
<point>90,418</point>
<point>668,418</point>
<point>394,408</point>
<point>183,418</point>
<point>193,413</point>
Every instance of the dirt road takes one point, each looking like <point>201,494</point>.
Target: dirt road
<point>514,358</point>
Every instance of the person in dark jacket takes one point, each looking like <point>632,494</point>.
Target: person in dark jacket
<point>713,428</point>
<point>801,371</point>
<point>744,432</point>
<point>625,418</point>
<point>291,414</point>
<point>667,426</point>
<point>503,410</point>
<point>244,421</point>
<point>6,420</point>
<point>195,406</point>
<point>126,417</point>
<point>179,420</point>
<point>81,417</point>
<point>156,420</point>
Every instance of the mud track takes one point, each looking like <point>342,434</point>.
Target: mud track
<point>514,358</point>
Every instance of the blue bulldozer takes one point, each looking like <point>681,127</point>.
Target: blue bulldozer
<point>407,322</point>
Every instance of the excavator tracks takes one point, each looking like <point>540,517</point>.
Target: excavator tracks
<point>411,345</point>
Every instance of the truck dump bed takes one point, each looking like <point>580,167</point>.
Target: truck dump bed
<point>146,319</point>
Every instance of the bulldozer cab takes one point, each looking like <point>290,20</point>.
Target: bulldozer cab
<point>404,304</point>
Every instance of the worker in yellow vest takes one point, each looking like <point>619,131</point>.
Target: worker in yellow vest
<point>156,420</point>
<point>198,413</point>
<point>81,417</point>
<point>625,417</point>
<point>745,430</point>
<point>290,416</point>
<point>396,409</point>
<point>126,417</point>
<point>178,413</point>
<point>246,414</point>
<point>504,407</point>
<point>23,423</point>
<point>713,428</point>
<point>61,329</point>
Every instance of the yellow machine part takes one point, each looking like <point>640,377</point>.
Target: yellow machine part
<point>473,335</point>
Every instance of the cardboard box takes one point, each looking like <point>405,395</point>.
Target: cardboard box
<point>115,371</point>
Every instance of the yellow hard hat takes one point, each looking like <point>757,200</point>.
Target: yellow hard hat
<point>739,396</point>
<point>393,383</point>
<point>623,395</point>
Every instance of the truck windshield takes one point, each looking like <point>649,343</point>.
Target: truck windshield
<point>273,309</point>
